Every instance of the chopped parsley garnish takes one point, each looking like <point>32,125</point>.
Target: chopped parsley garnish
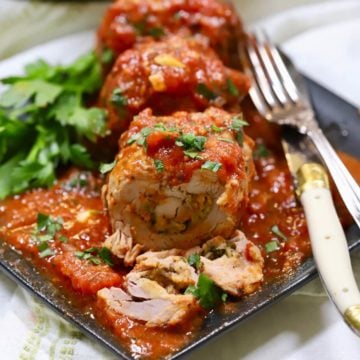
<point>133,138</point>
<point>156,32</point>
<point>105,255</point>
<point>140,137</point>
<point>199,142</point>
<point>238,123</point>
<point>142,141</point>
<point>46,229</point>
<point>64,239</point>
<point>49,225</point>
<point>231,87</point>
<point>215,128</point>
<point>107,167</point>
<point>193,154</point>
<point>43,238</point>
<point>272,246</point>
<point>47,252</point>
<point>42,221</point>
<point>173,129</point>
<point>96,255</point>
<point>78,181</point>
<point>214,166</point>
<point>240,138</point>
<point>44,120</point>
<point>146,131</point>
<point>194,260</point>
<point>107,56</point>
<point>208,293</point>
<point>225,140</point>
<point>159,165</point>
<point>275,230</point>
<point>207,93</point>
<point>177,15</point>
<point>261,151</point>
<point>43,245</point>
<point>118,99</point>
<point>191,142</point>
<point>141,28</point>
<point>192,145</point>
<point>160,127</point>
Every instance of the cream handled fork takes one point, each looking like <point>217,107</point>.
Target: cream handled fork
<point>279,100</point>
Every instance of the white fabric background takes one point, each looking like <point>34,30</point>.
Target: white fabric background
<point>303,326</point>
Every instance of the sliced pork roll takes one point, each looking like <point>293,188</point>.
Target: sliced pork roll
<point>163,310</point>
<point>234,265</point>
<point>157,290</point>
<point>178,180</point>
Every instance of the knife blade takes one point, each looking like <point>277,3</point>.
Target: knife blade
<point>298,150</point>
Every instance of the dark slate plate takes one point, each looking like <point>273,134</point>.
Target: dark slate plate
<point>340,121</point>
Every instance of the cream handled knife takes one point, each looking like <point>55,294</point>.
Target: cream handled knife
<point>328,240</point>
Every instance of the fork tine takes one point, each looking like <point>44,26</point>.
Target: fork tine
<point>258,100</point>
<point>272,74</point>
<point>255,93</point>
<point>262,81</point>
<point>287,81</point>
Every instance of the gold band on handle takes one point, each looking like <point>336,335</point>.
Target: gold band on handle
<point>310,176</point>
<point>352,317</point>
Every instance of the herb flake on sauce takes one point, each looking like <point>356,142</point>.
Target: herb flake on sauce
<point>272,246</point>
<point>96,255</point>
<point>275,230</point>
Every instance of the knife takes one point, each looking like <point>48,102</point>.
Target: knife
<point>328,241</point>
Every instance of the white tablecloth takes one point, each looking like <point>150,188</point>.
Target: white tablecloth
<point>303,326</point>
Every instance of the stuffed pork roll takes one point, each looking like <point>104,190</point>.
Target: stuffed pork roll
<point>171,75</point>
<point>127,22</point>
<point>178,181</point>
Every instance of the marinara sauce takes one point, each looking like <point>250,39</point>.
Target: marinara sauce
<point>76,200</point>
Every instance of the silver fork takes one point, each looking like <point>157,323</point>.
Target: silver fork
<point>278,99</point>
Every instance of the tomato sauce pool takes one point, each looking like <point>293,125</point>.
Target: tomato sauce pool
<point>74,208</point>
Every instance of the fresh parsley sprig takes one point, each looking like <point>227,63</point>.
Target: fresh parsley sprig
<point>44,120</point>
<point>206,92</point>
<point>261,151</point>
<point>231,87</point>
